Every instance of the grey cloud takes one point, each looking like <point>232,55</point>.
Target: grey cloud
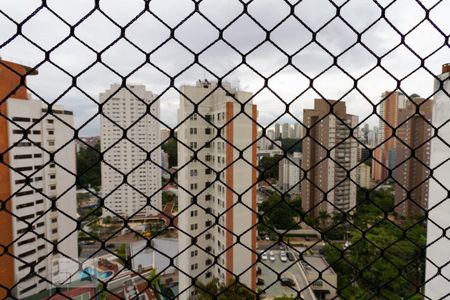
<point>147,33</point>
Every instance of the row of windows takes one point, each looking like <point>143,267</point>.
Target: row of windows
<point>20,131</point>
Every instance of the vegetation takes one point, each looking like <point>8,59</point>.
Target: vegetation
<point>269,167</point>
<point>122,252</point>
<point>171,148</point>
<point>291,145</point>
<point>384,260</point>
<point>167,197</point>
<point>214,290</point>
<point>281,212</point>
<point>88,167</point>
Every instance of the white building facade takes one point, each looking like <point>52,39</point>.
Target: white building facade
<point>138,156</point>
<point>438,256</point>
<point>213,214</point>
<point>43,196</point>
<point>290,174</point>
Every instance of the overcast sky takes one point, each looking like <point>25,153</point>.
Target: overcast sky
<point>147,32</point>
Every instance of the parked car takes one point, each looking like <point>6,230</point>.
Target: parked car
<point>271,256</point>
<point>287,281</point>
<point>258,271</point>
<point>264,256</point>
<point>283,256</point>
<point>260,281</point>
<point>290,256</point>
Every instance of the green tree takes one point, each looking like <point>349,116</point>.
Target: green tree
<point>291,145</point>
<point>167,197</point>
<point>88,166</point>
<point>269,167</point>
<point>215,290</point>
<point>171,148</point>
<point>154,277</point>
<point>385,260</point>
<point>280,211</point>
<point>122,252</point>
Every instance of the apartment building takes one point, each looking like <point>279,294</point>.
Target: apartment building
<point>277,131</point>
<point>437,270</point>
<point>328,186</point>
<point>384,154</point>
<point>285,130</point>
<point>289,173</point>
<point>218,190</point>
<point>36,188</point>
<point>138,156</point>
<point>364,176</point>
<point>413,158</point>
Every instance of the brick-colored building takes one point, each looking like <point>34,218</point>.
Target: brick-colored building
<point>328,186</point>
<point>413,157</point>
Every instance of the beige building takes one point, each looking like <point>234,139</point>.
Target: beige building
<point>212,214</point>
<point>365,176</point>
<point>123,108</point>
<point>37,191</point>
<point>413,158</point>
<point>289,173</point>
<point>329,152</point>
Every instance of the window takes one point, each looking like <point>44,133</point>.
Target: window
<point>23,156</point>
<point>20,119</point>
<point>50,121</point>
<point>193,131</point>
<point>193,172</point>
<point>194,226</point>
<point>207,130</point>
<point>194,213</point>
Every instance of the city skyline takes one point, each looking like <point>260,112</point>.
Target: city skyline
<point>97,32</point>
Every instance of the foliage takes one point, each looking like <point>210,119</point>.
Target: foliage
<point>171,148</point>
<point>122,252</point>
<point>269,167</point>
<point>154,277</point>
<point>88,166</point>
<point>167,197</point>
<point>280,211</point>
<point>214,290</point>
<point>385,260</point>
<point>291,145</point>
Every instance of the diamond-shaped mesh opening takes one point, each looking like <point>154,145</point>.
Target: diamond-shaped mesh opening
<point>182,149</point>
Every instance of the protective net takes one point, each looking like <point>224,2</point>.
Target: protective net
<point>280,174</point>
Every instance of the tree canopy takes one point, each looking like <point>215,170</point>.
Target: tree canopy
<point>88,166</point>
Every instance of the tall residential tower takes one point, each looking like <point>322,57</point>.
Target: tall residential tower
<point>329,129</point>
<point>138,156</point>
<point>219,202</point>
<point>37,193</point>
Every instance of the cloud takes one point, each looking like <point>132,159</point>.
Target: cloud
<point>96,32</point>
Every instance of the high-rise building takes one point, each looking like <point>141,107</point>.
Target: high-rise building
<point>165,134</point>
<point>437,270</point>
<point>329,131</point>
<point>213,214</point>
<point>289,173</point>
<point>277,131</point>
<point>285,130</point>
<point>391,104</point>
<point>37,191</point>
<point>413,158</point>
<point>298,131</point>
<point>137,156</point>
<point>364,176</point>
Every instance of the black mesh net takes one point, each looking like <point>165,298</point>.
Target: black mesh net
<point>280,174</point>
